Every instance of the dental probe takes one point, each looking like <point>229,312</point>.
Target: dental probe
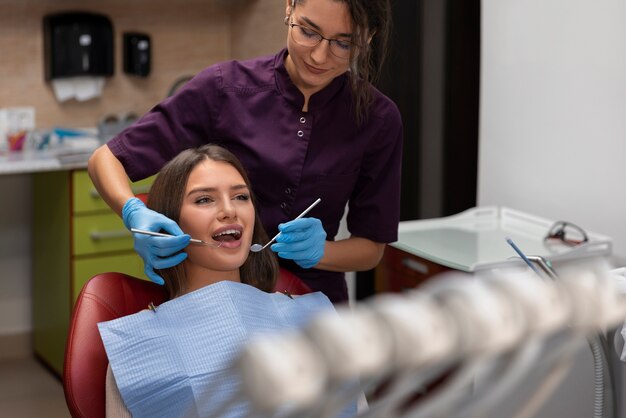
<point>523,256</point>
<point>160,234</point>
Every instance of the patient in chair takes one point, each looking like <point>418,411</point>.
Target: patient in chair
<point>221,283</point>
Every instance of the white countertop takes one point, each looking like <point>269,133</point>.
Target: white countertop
<point>54,150</point>
<point>38,161</point>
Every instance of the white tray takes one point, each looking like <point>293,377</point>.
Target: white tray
<point>476,239</point>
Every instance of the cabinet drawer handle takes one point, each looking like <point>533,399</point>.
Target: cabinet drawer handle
<point>135,189</point>
<point>415,265</point>
<point>103,235</point>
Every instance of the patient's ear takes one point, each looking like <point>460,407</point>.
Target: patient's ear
<point>289,7</point>
<point>369,38</point>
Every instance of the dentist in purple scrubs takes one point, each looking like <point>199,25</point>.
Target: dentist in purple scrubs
<point>306,123</point>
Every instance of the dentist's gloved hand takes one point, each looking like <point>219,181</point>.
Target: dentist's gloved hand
<point>156,252</point>
<point>301,240</point>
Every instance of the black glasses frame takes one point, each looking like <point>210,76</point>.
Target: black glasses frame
<point>331,41</point>
<point>558,232</point>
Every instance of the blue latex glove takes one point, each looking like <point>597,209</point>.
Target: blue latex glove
<point>301,240</point>
<point>156,252</point>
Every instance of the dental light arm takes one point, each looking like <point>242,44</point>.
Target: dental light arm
<point>494,325</point>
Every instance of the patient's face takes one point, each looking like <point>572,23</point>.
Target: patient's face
<point>216,208</point>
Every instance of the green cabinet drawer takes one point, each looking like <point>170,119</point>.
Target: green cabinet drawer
<point>100,233</point>
<point>84,269</point>
<point>87,199</point>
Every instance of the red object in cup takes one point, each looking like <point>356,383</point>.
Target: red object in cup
<point>16,140</point>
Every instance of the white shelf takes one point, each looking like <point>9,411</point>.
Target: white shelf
<point>476,239</point>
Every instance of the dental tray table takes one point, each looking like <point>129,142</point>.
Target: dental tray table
<point>476,239</point>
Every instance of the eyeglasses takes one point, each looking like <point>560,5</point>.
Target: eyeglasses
<point>567,233</point>
<point>309,38</point>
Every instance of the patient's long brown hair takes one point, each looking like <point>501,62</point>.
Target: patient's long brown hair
<point>166,196</point>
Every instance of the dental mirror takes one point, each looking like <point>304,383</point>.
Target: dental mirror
<point>255,248</point>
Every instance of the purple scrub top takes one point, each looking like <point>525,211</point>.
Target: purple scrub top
<point>292,157</point>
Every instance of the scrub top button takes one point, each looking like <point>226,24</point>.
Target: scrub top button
<point>287,190</point>
<point>302,119</point>
<point>300,134</point>
<point>283,205</point>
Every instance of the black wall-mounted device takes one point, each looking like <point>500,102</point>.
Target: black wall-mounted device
<point>137,53</point>
<point>77,44</point>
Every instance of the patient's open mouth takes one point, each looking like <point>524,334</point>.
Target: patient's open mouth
<point>227,235</point>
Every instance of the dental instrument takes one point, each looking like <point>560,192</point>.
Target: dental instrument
<point>160,234</point>
<point>522,255</point>
<point>255,248</point>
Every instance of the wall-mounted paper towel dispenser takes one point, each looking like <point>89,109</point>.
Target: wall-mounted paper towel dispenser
<point>77,44</point>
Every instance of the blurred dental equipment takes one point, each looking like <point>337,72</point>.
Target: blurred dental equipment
<point>458,346</point>
<point>255,248</point>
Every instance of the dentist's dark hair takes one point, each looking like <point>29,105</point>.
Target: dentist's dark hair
<point>166,196</point>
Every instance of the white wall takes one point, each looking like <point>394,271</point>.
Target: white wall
<point>553,111</point>
<point>553,128</point>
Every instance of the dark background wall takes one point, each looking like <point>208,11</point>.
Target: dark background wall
<point>432,74</point>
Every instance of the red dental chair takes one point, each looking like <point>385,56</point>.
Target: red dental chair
<point>105,297</point>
